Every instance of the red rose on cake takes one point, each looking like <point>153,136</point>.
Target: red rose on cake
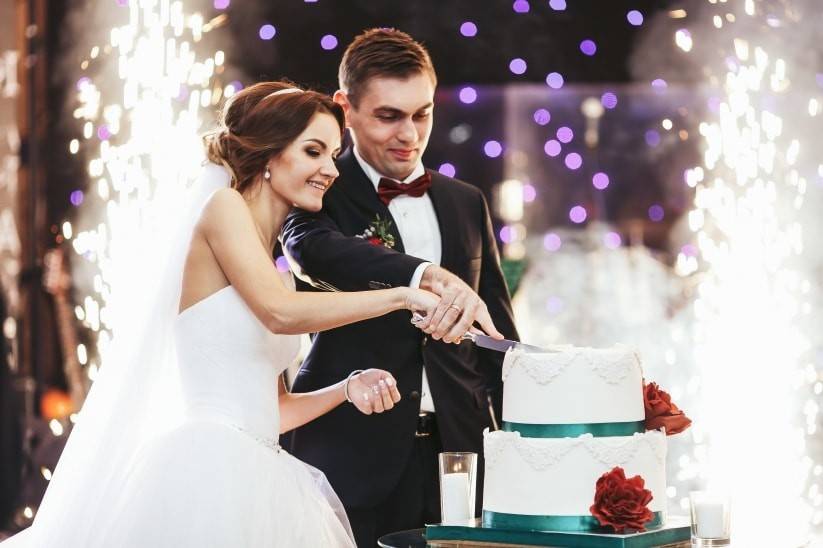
<point>661,412</point>
<point>621,503</point>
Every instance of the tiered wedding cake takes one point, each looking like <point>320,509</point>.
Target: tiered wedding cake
<point>573,417</point>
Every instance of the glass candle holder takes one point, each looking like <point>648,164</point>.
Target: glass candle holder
<point>711,523</point>
<point>458,473</point>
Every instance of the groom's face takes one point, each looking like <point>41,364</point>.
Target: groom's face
<point>392,122</point>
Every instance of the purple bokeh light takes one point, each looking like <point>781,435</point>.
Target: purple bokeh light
<point>652,138</point>
<point>529,193</point>
<point>221,4</point>
<point>612,240</point>
<point>573,160</point>
<point>447,169</point>
<point>600,180</point>
<point>236,84</point>
<point>565,134</point>
<point>468,29</point>
<point>552,148</point>
<point>608,100</point>
<point>557,5</point>
<point>542,116</point>
<point>554,80</point>
<point>588,47</point>
<point>689,250</point>
<point>328,42</point>
<point>713,103</point>
<point>82,82</point>
<point>552,241</point>
<point>506,234</point>
<point>76,197</point>
<point>103,133</point>
<point>282,264</point>
<point>493,149</point>
<point>267,32</point>
<point>635,18</point>
<point>521,6</point>
<point>659,84</point>
<point>517,65</point>
<point>578,214</point>
<point>468,95</point>
<point>656,213</point>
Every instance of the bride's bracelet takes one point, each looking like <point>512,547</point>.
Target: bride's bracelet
<point>346,385</point>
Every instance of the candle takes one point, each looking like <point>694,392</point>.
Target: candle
<point>454,490</point>
<point>709,519</point>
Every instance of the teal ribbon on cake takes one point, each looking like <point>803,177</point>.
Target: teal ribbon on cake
<point>596,429</point>
<point>500,520</point>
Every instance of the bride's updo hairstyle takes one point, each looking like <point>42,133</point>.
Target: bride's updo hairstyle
<point>258,122</point>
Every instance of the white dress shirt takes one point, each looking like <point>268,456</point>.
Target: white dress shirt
<point>418,227</point>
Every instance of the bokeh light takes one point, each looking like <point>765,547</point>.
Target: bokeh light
<point>328,42</point>
<point>554,80</point>
<point>578,214</point>
<point>600,180</point>
<point>565,134</point>
<point>588,47</point>
<point>447,169</point>
<point>552,148</point>
<point>521,6</point>
<point>557,5</point>
<point>468,29</point>
<point>542,116</point>
<point>468,95</point>
<point>635,18</point>
<point>608,100</point>
<point>267,32</point>
<point>493,149</point>
<point>656,213</point>
<point>573,160</point>
<point>552,241</point>
<point>612,240</point>
<point>517,66</point>
<point>652,138</point>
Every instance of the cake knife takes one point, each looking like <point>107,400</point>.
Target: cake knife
<point>484,341</point>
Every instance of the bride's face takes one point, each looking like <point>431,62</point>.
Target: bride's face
<point>305,170</point>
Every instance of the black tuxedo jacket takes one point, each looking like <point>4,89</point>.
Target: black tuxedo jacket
<point>364,456</point>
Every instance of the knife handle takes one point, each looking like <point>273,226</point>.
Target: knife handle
<point>417,317</point>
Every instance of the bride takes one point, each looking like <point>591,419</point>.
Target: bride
<point>223,322</point>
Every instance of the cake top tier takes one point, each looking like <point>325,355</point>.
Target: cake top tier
<point>573,385</point>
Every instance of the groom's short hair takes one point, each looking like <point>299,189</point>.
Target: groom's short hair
<point>381,52</point>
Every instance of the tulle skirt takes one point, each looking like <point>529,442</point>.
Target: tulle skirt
<point>207,484</point>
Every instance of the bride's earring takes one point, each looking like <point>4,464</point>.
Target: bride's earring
<point>267,174</point>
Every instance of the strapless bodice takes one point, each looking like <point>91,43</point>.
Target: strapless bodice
<point>229,364</point>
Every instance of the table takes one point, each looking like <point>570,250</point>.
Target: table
<point>414,538</point>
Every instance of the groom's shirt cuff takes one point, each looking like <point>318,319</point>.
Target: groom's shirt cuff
<point>418,275</point>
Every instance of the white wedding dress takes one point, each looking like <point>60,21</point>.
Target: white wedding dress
<point>220,479</point>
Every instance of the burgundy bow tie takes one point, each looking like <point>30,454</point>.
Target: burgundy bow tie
<point>388,189</point>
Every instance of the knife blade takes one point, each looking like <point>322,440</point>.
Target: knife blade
<point>501,345</point>
<point>484,341</point>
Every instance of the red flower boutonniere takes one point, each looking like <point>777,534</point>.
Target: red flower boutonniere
<point>621,503</point>
<point>379,232</point>
<point>661,412</point>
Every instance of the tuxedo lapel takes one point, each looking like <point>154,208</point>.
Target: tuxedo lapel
<point>446,209</point>
<point>354,183</point>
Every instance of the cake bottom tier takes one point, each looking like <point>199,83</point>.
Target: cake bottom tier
<point>549,483</point>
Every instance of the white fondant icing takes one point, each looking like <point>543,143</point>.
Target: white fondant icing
<point>557,476</point>
<point>572,386</point>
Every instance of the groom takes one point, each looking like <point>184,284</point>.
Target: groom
<point>387,221</point>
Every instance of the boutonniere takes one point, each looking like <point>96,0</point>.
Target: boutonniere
<point>379,232</point>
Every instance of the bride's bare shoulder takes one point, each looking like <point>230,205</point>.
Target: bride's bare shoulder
<point>223,206</point>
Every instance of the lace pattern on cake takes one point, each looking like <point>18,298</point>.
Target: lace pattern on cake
<point>612,364</point>
<point>540,455</point>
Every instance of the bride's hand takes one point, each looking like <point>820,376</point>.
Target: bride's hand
<point>373,391</point>
<point>422,303</point>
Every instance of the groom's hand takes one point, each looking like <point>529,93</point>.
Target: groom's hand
<point>459,307</point>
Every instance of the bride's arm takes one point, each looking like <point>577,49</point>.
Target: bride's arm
<point>232,236</point>
<point>298,409</point>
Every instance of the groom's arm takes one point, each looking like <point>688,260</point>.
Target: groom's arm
<point>320,254</point>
